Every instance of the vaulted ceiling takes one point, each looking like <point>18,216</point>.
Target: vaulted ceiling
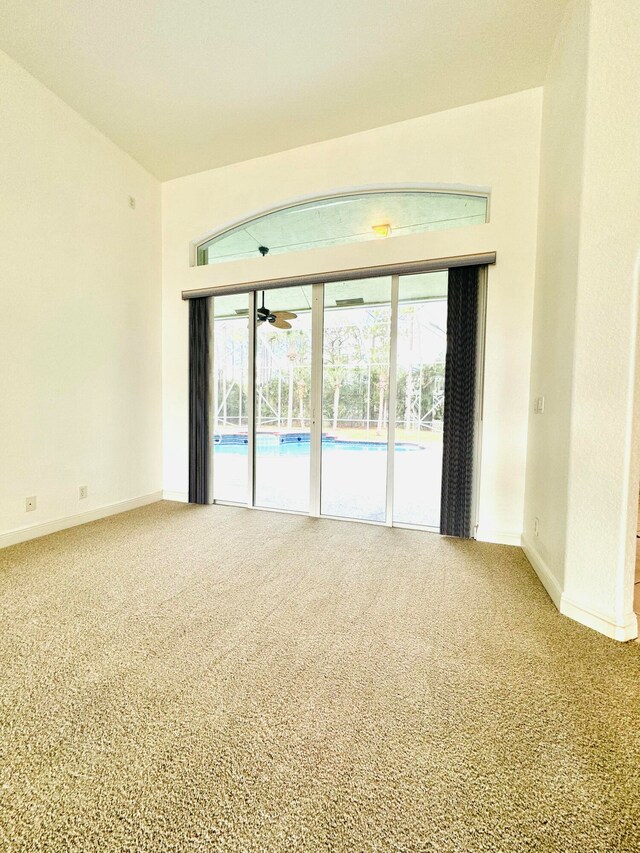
<point>187,85</point>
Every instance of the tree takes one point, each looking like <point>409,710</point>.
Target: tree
<point>301,389</point>
<point>379,331</point>
<point>383,384</point>
<point>291,356</point>
<point>335,357</point>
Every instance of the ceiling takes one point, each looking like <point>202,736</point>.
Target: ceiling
<point>187,85</point>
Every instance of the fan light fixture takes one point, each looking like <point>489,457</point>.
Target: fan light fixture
<point>279,319</point>
<point>382,230</point>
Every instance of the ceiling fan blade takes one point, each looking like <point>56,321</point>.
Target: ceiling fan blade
<point>279,323</point>
<point>285,315</point>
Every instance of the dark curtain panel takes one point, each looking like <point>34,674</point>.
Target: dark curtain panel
<point>459,402</point>
<point>198,401</point>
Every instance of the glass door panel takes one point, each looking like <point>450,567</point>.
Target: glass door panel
<point>355,399</point>
<point>282,398</point>
<point>230,394</point>
<point>353,372</point>
<point>421,352</point>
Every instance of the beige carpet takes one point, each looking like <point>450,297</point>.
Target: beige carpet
<point>215,679</point>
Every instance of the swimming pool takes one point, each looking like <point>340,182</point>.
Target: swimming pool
<point>286,445</point>
<point>353,476</point>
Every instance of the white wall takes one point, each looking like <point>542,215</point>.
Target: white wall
<point>494,144</point>
<point>599,313</point>
<point>561,165</point>
<point>80,315</point>
<point>600,546</point>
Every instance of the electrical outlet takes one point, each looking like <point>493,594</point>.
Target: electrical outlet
<point>538,406</point>
<point>536,526</point>
<point>30,504</point>
<point>83,491</point>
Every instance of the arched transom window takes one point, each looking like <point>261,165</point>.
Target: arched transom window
<point>340,219</point>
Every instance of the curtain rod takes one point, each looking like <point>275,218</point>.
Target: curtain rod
<point>409,268</point>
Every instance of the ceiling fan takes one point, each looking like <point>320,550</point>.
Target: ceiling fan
<point>276,318</point>
<point>265,315</point>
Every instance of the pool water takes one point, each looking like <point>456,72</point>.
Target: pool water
<point>300,446</point>
<point>353,480</point>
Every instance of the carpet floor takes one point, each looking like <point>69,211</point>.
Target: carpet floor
<point>182,678</point>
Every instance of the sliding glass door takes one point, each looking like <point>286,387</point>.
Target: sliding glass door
<point>355,399</point>
<point>329,399</point>
<point>230,381</point>
<point>420,372</point>
<point>282,394</point>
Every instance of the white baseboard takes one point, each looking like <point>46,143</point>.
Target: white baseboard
<point>498,537</point>
<point>182,497</point>
<point>23,534</point>
<point>547,578</point>
<point>601,622</point>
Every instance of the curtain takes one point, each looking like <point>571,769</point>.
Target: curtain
<point>459,403</point>
<point>198,401</point>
